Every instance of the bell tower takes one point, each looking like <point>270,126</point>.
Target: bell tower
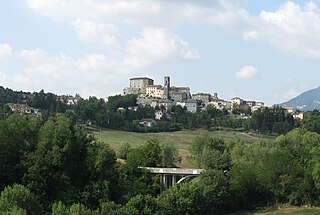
<point>166,88</point>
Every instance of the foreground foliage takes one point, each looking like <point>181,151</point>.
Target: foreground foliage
<point>55,167</point>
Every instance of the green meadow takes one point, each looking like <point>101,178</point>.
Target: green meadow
<point>284,211</point>
<point>181,139</point>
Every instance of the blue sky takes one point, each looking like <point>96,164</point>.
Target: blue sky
<point>258,50</point>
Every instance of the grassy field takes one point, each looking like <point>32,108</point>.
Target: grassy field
<point>285,211</point>
<point>181,139</point>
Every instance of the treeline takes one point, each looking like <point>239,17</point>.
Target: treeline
<point>56,161</point>
<point>55,167</point>
<point>122,112</point>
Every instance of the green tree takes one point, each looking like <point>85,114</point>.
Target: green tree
<point>18,199</point>
<point>18,137</point>
<point>57,168</point>
<point>102,186</point>
<point>182,199</point>
<point>170,156</point>
<point>141,204</point>
<point>209,152</point>
<point>124,150</point>
<point>59,209</point>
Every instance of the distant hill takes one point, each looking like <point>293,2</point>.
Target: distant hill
<point>306,101</point>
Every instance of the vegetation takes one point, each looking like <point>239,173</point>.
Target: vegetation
<point>54,166</point>
<point>122,113</point>
<point>180,139</point>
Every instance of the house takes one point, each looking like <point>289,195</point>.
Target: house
<point>220,104</point>
<point>19,108</point>
<point>162,103</point>
<point>148,123</point>
<point>191,105</point>
<point>237,101</point>
<point>159,114</point>
<point>298,115</point>
<point>204,97</point>
<point>154,91</point>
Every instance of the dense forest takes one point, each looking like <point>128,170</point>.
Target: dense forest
<point>54,166</point>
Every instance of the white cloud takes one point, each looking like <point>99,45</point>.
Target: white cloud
<point>246,73</point>
<point>32,55</point>
<point>292,28</point>
<point>154,45</point>
<point>141,12</point>
<point>5,51</point>
<point>91,31</point>
<point>64,74</point>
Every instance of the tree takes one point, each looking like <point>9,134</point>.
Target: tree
<point>170,156</point>
<point>102,186</point>
<point>124,150</point>
<point>59,209</point>
<point>182,199</point>
<point>18,137</point>
<point>57,168</point>
<point>209,152</point>
<point>18,199</point>
<point>141,204</point>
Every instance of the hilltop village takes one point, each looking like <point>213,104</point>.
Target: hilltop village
<point>167,96</point>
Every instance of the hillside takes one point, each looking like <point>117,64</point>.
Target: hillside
<point>306,101</point>
<point>181,139</point>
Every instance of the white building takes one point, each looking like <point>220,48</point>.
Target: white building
<point>237,101</point>
<point>154,91</point>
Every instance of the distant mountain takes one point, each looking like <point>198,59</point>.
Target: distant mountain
<point>306,101</point>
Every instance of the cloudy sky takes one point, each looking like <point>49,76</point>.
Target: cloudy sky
<point>258,50</point>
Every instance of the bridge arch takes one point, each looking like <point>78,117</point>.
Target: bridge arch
<point>169,176</point>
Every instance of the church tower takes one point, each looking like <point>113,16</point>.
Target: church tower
<point>166,87</point>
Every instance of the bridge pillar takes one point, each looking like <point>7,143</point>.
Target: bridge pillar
<point>162,183</point>
<point>174,180</point>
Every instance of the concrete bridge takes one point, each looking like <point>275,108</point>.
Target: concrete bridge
<point>171,176</point>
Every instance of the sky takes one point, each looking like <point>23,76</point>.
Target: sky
<point>258,50</point>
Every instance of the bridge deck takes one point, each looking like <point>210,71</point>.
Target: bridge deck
<point>174,171</point>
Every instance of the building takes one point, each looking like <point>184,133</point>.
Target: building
<point>178,94</point>
<point>155,91</point>
<point>166,103</point>
<point>250,103</point>
<point>148,123</point>
<point>298,115</point>
<point>237,101</point>
<point>158,114</point>
<point>138,85</point>
<point>191,105</point>
<point>166,88</point>
<point>220,104</point>
<point>204,97</point>
<point>23,109</point>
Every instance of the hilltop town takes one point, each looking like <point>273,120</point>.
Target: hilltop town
<point>167,96</point>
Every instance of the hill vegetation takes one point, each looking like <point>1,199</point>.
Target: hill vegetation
<point>307,101</point>
<point>182,140</point>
